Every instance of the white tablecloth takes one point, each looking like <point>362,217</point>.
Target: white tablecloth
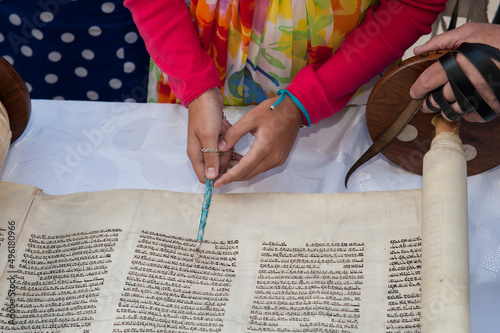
<point>72,146</point>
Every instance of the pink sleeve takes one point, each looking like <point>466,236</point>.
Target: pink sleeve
<point>385,33</point>
<point>173,44</point>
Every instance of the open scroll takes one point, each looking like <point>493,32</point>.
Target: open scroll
<point>122,260</point>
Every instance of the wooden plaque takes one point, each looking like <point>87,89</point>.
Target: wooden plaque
<point>390,96</point>
<point>15,97</point>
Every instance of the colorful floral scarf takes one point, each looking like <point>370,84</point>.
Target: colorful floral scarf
<point>259,45</point>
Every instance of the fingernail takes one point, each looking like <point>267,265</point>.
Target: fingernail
<point>412,94</point>
<point>210,173</point>
<point>222,144</point>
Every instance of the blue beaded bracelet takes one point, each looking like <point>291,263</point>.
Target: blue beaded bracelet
<point>283,93</point>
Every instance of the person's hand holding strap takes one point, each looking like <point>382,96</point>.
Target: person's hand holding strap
<point>435,76</point>
<point>275,132</point>
<point>205,125</point>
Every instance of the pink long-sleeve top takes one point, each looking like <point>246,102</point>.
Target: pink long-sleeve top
<point>386,32</point>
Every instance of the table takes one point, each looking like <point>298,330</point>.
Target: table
<point>74,146</point>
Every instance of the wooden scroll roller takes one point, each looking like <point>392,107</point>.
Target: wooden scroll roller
<point>444,155</point>
<point>15,98</point>
<point>445,283</point>
<point>391,95</point>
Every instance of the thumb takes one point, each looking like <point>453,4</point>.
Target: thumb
<point>445,41</point>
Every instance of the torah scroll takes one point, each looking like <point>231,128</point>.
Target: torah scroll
<point>121,260</point>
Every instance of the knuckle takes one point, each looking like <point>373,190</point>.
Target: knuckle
<point>277,159</point>
<point>280,162</point>
<point>244,170</point>
<point>485,91</point>
<point>425,82</point>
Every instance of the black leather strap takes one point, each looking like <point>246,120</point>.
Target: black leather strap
<point>459,82</point>
<point>491,51</point>
<point>468,98</point>
<point>479,55</point>
<point>429,105</point>
<point>444,105</point>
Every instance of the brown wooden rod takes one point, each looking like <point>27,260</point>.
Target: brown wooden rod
<point>442,125</point>
<point>15,97</point>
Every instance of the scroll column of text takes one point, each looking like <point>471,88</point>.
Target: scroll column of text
<point>403,290</point>
<point>59,279</point>
<point>167,290</point>
<point>316,287</point>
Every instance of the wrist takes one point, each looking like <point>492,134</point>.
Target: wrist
<point>294,112</point>
<point>305,118</point>
<point>208,94</point>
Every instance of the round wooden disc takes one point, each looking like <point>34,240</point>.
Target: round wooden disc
<point>391,95</point>
<point>15,97</point>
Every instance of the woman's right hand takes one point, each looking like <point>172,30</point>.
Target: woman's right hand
<point>205,126</point>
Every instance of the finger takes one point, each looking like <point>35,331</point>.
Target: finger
<point>484,92</point>
<point>233,174</point>
<point>225,126</point>
<point>473,117</point>
<point>483,87</point>
<point>471,32</point>
<point>446,41</point>
<point>196,157</point>
<point>235,132</point>
<point>451,110</point>
<point>252,159</point>
<point>262,168</point>
<point>258,159</point>
<point>235,158</point>
<point>210,140</point>
<point>449,96</point>
<point>211,159</point>
<point>225,159</point>
<point>433,77</point>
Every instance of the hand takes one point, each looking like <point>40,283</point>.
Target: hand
<point>275,132</point>
<point>205,125</point>
<point>435,76</point>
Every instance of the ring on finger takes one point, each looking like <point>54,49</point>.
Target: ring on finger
<point>213,150</point>
<point>210,150</point>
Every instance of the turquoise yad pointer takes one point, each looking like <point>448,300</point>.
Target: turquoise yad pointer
<point>204,214</point>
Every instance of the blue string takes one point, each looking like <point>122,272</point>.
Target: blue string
<point>283,93</point>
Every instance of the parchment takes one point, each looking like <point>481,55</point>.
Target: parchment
<point>371,221</point>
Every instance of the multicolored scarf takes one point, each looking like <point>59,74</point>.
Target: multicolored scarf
<point>259,45</point>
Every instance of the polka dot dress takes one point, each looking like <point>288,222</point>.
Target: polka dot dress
<point>75,49</point>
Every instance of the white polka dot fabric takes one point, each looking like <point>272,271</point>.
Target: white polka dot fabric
<point>75,50</point>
